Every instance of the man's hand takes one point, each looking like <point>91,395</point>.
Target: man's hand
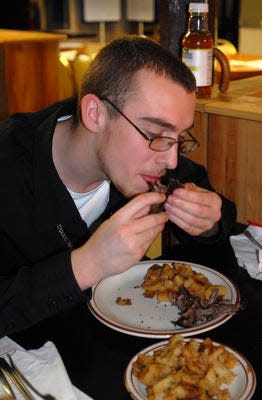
<point>119,242</point>
<point>194,209</point>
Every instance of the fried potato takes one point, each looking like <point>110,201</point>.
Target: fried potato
<point>160,281</point>
<point>197,299</point>
<point>186,370</point>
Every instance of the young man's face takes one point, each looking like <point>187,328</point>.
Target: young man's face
<point>160,107</point>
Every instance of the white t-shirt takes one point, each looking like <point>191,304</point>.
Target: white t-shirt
<point>91,204</point>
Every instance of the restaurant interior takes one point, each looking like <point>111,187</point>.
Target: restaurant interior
<point>56,40</point>
<point>45,48</point>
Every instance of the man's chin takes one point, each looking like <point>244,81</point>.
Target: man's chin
<point>130,193</point>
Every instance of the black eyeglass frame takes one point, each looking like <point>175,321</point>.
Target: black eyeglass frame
<point>171,141</point>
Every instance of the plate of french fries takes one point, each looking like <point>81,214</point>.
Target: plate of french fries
<point>152,299</point>
<point>189,368</point>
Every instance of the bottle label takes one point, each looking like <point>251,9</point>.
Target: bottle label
<point>200,62</point>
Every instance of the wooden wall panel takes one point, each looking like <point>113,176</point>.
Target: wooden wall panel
<point>31,75</point>
<point>50,71</point>
<point>3,95</point>
<point>200,131</point>
<point>29,70</point>
<point>234,163</point>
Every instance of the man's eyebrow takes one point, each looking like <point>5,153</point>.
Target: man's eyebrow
<point>160,122</point>
<point>164,124</point>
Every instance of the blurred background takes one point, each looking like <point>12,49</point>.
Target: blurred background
<point>238,21</point>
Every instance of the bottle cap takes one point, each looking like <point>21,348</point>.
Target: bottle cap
<point>198,7</point>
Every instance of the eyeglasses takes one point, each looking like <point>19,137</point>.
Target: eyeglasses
<point>162,143</point>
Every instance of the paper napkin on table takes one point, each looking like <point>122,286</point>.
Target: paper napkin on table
<point>44,368</point>
<point>247,254</point>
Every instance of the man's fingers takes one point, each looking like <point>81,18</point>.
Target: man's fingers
<point>140,205</point>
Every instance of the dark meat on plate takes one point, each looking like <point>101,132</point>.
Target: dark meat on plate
<point>194,310</point>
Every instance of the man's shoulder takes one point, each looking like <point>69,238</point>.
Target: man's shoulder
<point>18,131</point>
<point>30,119</point>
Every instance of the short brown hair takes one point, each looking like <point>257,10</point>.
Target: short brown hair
<point>112,72</point>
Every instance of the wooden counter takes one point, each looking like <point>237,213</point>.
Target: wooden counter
<point>15,36</point>
<point>229,127</point>
<point>29,70</point>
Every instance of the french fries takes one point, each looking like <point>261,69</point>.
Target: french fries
<point>186,369</point>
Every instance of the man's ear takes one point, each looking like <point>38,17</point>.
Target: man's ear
<point>92,112</point>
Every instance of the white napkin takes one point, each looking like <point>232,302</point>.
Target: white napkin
<point>247,254</point>
<point>44,368</point>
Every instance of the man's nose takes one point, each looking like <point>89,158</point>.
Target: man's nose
<point>169,158</point>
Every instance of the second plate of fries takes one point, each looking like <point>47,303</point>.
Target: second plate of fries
<point>188,368</point>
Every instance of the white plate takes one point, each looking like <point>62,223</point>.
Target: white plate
<point>242,388</point>
<point>147,317</point>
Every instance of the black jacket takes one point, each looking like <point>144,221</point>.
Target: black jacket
<point>40,225</point>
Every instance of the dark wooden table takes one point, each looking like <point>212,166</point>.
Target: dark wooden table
<point>96,356</point>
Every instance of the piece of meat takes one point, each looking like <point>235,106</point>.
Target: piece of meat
<point>194,311</point>
<point>167,189</point>
<point>195,314</point>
